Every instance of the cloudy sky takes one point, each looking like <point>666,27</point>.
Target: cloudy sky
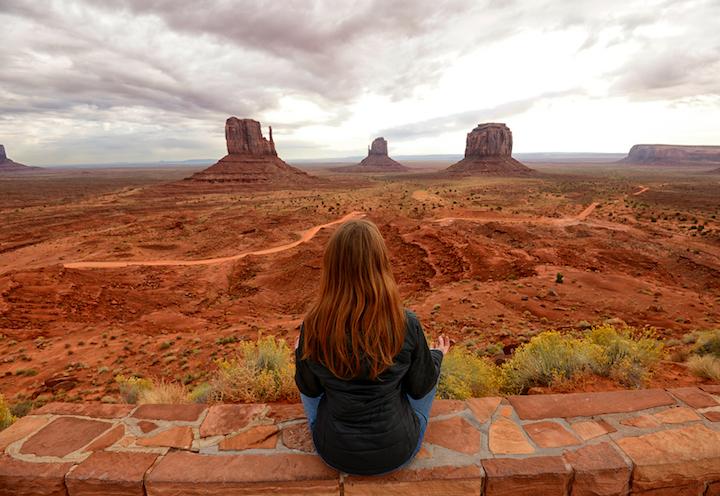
<point>98,81</point>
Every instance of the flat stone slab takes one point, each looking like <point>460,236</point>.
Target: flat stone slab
<point>107,440</point>
<point>146,426</point>
<point>298,436</point>
<point>182,413</point>
<point>102,411</point>
<point>177,437</point>
<point>454,433</point>
<point>62,436</point>
<point>598,470</point>
<point>440,481</point>
<point>222,420</point>
<point>678,415</point>
<point>694,397</point>
<point>260,437</point>
<point>642,422</point>
<point>678,457</point>
<point>506,438</point>
<point>483,408</point>
<point>548,434</point>
<point>446,407</point>
<point>591,429</point>
<point>282,413</point>
<point>111,473</point>
<point>182,473</point>
<point>712,416</point>
<point>19,430</point>
<point>539,475</point>
<point>19,478</point>
<point>539,407</point>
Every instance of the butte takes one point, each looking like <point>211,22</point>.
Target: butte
<point>7,165</point>
<point>376,161</point>
<point>673,155</point>
<point>488,151</point>
<point>252,161</point>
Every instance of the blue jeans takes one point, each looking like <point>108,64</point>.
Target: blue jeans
<point>421,408</point>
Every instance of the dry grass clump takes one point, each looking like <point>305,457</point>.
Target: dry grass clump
<point>465,375</point>
<point>6,418</point>
<point>705,367</point>
<point>139,391</point>
<point>707,343</point>
<point>262,372</point>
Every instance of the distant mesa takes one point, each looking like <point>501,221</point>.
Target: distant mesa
<point>672,155</point>
<point>252,160</point>
<point>376,161</point>
<point>7,165</point>
<point>488,151</point>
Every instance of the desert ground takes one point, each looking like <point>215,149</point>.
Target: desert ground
<point>108,271</point>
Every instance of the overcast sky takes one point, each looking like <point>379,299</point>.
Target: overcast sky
<point>102,81</point>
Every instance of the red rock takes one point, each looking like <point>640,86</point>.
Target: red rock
<point>540,475</point>
<point>694,397</point>
<point>589,429</point>
<point>282,413</point>
<point>19,478</point>
<point>110,473</point>
<point>222,420</point>
<point>712,416</point>
<point>244,137</point>
<point>550,435</point>
<point>506,412</point>
<point>696,490</point>
<point>711,389</point>
<point>439,481</point>
<point>588,404</point>
<point>659,154</point>
<point>488,150</point>
<point>260,437</point>
<point>146,427</point>
<point>376,161</point>
<point>506,438</point>
<point>297,436</point>
<point>177,437</point>
<point>454,433</point>
<point>598,470</point>
<point>102,411</point>
<point>107,440</point>
<point>678,415</point>
<point>713,489</point>
<point>183,413</point>
<point>63,436</point>
<point>446,407</point>
<point>642,422</point>
<point>19,430</point>
<point>483,408</point>
<point>182,473</point>
<point>678,457</point>
<point>423,453</point>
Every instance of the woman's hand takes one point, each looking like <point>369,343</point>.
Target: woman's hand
<point>443,344</point>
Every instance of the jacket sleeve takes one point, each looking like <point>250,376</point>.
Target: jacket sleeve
<point>425,364</point>
<point>307,382</point>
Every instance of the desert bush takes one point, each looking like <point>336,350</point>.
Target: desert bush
<point>202,393</point>
<point>6,418</point>
<point>466,375</point>
<point>131,388</point>
<point>262,372</point>
<point>708,343</point>
<point>164,392</point>
<point>705,367</point>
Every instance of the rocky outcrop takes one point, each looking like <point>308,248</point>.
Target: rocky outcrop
<point>672,155</point>
<point>252,160</point>
<point>7,165</point>
<point>376,161</point>
<point>488,150</point>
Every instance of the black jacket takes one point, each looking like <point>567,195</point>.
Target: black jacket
<point>367,427</point>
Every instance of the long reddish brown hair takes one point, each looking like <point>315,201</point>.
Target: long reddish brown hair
<point>358,315</point>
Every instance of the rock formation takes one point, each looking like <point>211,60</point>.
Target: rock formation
<point>7,165</point>
<point>488,151</point>
<point>672,155</point>
<point>252,160</point>
<point>376,161</point>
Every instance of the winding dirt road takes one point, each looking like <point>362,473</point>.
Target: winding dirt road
<point>307,236</point>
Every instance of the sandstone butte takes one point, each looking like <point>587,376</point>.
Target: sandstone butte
<point>7,165</point>
<point>376,161</point>
<point>488,151</point>
<point>672,155</point>
<point>252,160</point>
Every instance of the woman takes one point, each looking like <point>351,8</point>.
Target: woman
<point>364,370</point>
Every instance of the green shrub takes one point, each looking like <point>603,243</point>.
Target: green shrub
<point>708,343</point>
<point>465,375</point>
<point>6,418</point>
<point>263,372</point>
<point>131,388</point>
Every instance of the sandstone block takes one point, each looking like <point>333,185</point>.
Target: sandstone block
<point>19,478</point>
<point>107,440</point>
<point>696,490</point>
<point>101,411</point>
<point>146,426</point>
<point>19,430</point>
<point>545,475</point>
<point>439,481</point>
<point>483,408</point>
<point>177,437</point>
<point>446,407</point>
<point>677,416</point>
<point>694,397</point>
<point>107,472</point>
<point>712,416</point>
<point>222,420</point>
<point>598,471</point>
<point>298,437</point>
<point>642,422</point>
<point>260,437</point>
<point>506,438</point>
<point>182,473</point>
<point>591,429</point>
<point>679,457</point>
<point>281,413</point>
<point>63,436</point>
<point>550,435</point>
<point>182,413</point>
<point>454,433</point>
